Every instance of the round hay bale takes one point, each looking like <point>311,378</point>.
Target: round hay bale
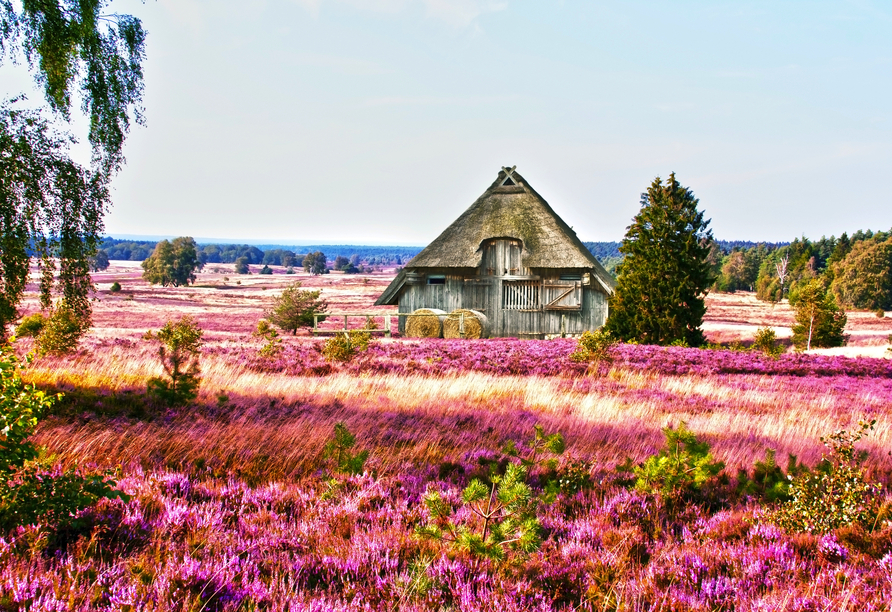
<point>476,325</point>
<point>425,323</point>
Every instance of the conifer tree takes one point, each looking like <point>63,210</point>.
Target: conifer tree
<point>665,275</point>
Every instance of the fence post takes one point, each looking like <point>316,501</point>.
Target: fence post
<point>461,325</point>
<point>345,322</point>
<point>563,326</point>
<point>387,326</point>
<point>315,323</point>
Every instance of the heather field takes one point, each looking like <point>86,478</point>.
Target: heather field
<point>234,507</point>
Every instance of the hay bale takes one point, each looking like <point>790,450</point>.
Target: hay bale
<point>476,325</point>
<point>425,323</point>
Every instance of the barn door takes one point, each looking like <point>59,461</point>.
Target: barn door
<point>563,295</point>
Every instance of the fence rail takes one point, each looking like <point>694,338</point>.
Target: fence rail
<point>368,316</point>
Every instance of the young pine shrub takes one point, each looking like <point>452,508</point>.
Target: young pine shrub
<point>834,495</point>
<point>273,346</point>
<point>542,452</point>
<point>179,351</point>
<point>502,519</point>
<point>116,287</point>
<point>679,470</point>
<point>340,449</point>
<point>769,482</point>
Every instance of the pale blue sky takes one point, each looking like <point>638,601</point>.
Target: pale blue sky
<point>380,121</point>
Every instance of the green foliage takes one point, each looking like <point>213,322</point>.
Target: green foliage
<point>541,451</point>
<point>99,261</point>
<point>502,518</point>
<point>864,278</point>
<point>29,491</point>
<point>62,331</point>
<point>179,352</point>
<point>836,494</point>
<point>664,277</point>
<point>769,482</point>
<point>314,263</point>
<point>266,270</point>
<point>31,326</point>
<point>340,449</point>
<point>680,469</point>
<point>819,321</point>
<point>241,266</point>
<point>116,286</point>
<point>766,342</point>
<point>345,346</point>
<point>273,346</point>
<point>172,263</point>
<point>596,347</point>
<point>50,208</point>
<point>71,42</point>
<point>295,308</point>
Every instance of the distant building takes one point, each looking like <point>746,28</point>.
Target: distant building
<point>512,258</point>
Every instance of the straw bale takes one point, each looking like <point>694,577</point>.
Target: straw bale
<point>476,325</point>
<point>425,323</point>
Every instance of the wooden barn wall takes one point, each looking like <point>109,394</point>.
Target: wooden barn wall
<point>484,293</point>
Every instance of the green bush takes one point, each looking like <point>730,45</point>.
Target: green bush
<point>266,270</point>
<point>345,346</point>
<point>766,342</point>
<point>835,494</point>
<point>295,308</point>
<point>596,347</point>
<point>116,286</point>
<point>880,313</point>
<point>680,469</point>
<point>62,331</point>
<point>179,352</point>
<point>769,482</point>
<point>31,326</point>
<point>31,491</point>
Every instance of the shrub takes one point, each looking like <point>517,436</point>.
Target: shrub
<point>266,270</point>
<point>241,266</point>
<point>296,308</point>
<point>339,449</point>
<point>289,270</point>
<point>766,341</point>
<point>835,494</point>
<point>345,346</point>
<point>31,326</point>
<point>769,482</point>
<point>31,492</point>
<point>596,347</point>
<point>62,331</point>
<point>880,313</point>
<point>116,286</point>
<point>273,346</point>
<point>179,352</point>
<point>502,517</point>
<point>680,469</point>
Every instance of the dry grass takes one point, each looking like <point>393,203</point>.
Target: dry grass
<point>275,425</point>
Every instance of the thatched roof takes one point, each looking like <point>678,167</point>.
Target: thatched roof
<point>510,208</point>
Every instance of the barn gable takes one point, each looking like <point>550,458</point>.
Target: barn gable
<point>510,210</point>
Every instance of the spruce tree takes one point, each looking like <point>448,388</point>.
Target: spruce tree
<point>665,275</point>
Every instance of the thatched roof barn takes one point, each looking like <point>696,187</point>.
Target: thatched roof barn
<point>511,257</point>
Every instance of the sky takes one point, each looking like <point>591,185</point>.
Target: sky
<point>381,121</point>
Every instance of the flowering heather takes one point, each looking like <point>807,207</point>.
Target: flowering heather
<point>199,543</point>
<point>507,356</point>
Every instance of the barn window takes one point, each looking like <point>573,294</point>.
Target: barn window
<point>571,277</point>
<point>436,279</point>
<point>521,295</point>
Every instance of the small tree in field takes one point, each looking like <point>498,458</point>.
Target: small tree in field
<point>295,308</point>
<point>666,273</point>
<point>173,263</point>
<point>314,263</point>
<point>179,352</point>
<point>819,321</point>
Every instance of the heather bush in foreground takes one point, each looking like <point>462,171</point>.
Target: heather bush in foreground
<point>201,543</point>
